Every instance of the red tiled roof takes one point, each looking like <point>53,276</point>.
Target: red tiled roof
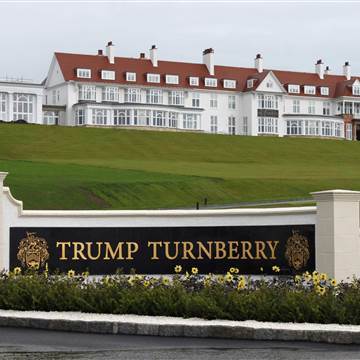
<point>338,86</point>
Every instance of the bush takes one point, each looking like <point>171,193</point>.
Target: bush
<point>306,298</point>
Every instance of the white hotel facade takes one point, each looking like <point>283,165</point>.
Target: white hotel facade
<point>107,91</point>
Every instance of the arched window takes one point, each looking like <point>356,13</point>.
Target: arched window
<point>23,107</point>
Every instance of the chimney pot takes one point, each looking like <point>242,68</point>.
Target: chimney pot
<point>153,55</point>
<point>259,63</point>
<point>258,56</point>
<point>319,62</point>
<point>347,70</point>
<point>319,69</point>
<point>142,55</point>
<point>110,52</point>
<point>347,63</point>
<point>110,43</point>
<point>208,51</point>
<point>208,60</point>
<point>100,52</point>
<point>153,47</point>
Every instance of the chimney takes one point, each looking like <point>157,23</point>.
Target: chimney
<point>319,69</point>
<point>347,70</point>
<point>208,60</point>
<point>142,55</point>
<point>259,63</point>
<point>327,70</point>
<point>100,52</point>
<point>153,56</point>
<point>110,52</point>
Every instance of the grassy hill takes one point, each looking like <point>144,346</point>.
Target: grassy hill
<point>84,168</point>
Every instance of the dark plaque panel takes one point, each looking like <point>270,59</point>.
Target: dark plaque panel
<point>268,112</point>
<point>156,250</point>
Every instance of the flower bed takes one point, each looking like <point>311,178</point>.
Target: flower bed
<point>306,298</point>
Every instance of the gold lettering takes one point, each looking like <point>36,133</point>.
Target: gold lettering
<point>246,249</point>
<point>110,254</point>
<point>260,247</point>
<point>78,250</point>
<point>202,248</point>
<point>187,250</point>
<point>233,250</point>
<point>220,248</point>
<point>132,247</point>
<point>63,244</point>
<point>167,252</point>
<point>272,246</point>
<point>89,252</point>
<point>154,245</point>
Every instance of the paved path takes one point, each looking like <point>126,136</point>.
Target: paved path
<point>32,344</point>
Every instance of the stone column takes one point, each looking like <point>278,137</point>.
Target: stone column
<point>2,220</point>
<point>337,234</point>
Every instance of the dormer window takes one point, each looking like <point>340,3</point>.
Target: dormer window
<point>294,89</point>
<point>172,79</point>
<point>229,84</point>
<point>153,78</point>
<point>356,89</point>
<point>108,75</point>
<point>250,83</point>
<point>309,90</point>
<point>193,81</point>
<point>210,82</point>
<point>83,73</point>
<point>324,90</point>
<point>130,76</point>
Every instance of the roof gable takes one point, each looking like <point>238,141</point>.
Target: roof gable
<point>270,83</point>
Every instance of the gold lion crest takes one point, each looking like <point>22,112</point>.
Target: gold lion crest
<point>297,250</point>
<point>33,251</point>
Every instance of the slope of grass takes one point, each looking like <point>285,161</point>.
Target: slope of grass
<point>83,168</point>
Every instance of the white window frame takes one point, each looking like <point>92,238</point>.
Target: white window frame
<point>176,98</point>
<point>191,121</point>
<point>172,79</point>
<point>110,93</point>
<point>293,89</point>
<point>296,106</point>
<point>326,108</point>
<point>210,82</point>
<point>213,101</point>
<point>23,107</point>
<point>80,116</point>
<point>232,125</point>
<point>154,96</point>
<point>132,95</point>
<point>108,74</point>
<point>311,107</point>
<point>267,125</point>
<point>309,90</point>
<point>250,83</point>
<point>193,81</point>
<point>324,90</point>
<point>195,100</point>
<point>229,84</point>
<point>130,76</point>
<point>213,124</point>
<point>153,78</point>
<point>87,92</point>
<point>3,106</point>
<point>99,116</point>
<point>83,73</point>
<point>121,117</point>
<point>232,102</point>
<point>356,89</point>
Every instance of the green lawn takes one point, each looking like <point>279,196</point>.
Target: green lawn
<point>84,168</point>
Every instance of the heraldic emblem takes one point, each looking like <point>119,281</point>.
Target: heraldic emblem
<point>297,250</point>
<point>33,251</point>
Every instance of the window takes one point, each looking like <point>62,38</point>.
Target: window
<point>53,96</point>
<point>349,131</point>
<point>130,76</point>
<point>309,90</point>
<point>348,108</point>
<point>231,125</point>
<point>232,101</point>
<point>356,89</point>
<point>326,128</point>
<point>99,116</point>
<point>154,96</point>
<point>326,108</point>
<point>213,101</point>
<point>87,92</point>
<point>294,127</point>
<point>296,106</point>
<point>245,125</point>
<point>110,94</point>
<point>311,127</point>
<point>173,119</point>
<point>83,73</point>
<point>213,124</point>
<point>267,101</point>
<point>193,81</point>
<point>357,109</point>
<point>191,121</point>
<point>133,95</point>
<point>51,117</point>
<point>142,117</point>
<point>250,83</point>
<point>311,107</point>
<point>338,127</point>
<point>23,107</point>
<point>210,82</point>
<point>269,84</point>
<point>267,125</point>
<point>121,117</point>
<point>153,78</point>
<point>3,106</point>
<point>293,89</point>
<point>195,101</point>
<point>229,84</point>
<point>172,79</point>
<point>176,98</point>
<point>80,116</point>
<point>324,91</point>
<point>159,118</point>
<point>108,75</point>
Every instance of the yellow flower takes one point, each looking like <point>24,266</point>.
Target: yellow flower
<point>207,282</point>
<point>85,274</point>
<point>316,281</point>
<point>146,283</point>
<point>297,278</point>
<point>276,268</point>
<point>194,270</point>
<point>178,268</point>
<point>323,276</point>
<point>236,270</point>
<point>241,285</point>
<point>232,270</point>
<point>229,277</point>
<point>241,278</point>
<point>315,273</point>
<point>187,275</point>
<point>320,290</point>
<point>71,273</point>
<point>17,271</point>
<point>131,280</point>
<point>165,281</point>
<point>333,282</point>
<point>220,279</point>
<point>307,277</point>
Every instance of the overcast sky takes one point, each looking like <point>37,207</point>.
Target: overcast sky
<point>290,36</point>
